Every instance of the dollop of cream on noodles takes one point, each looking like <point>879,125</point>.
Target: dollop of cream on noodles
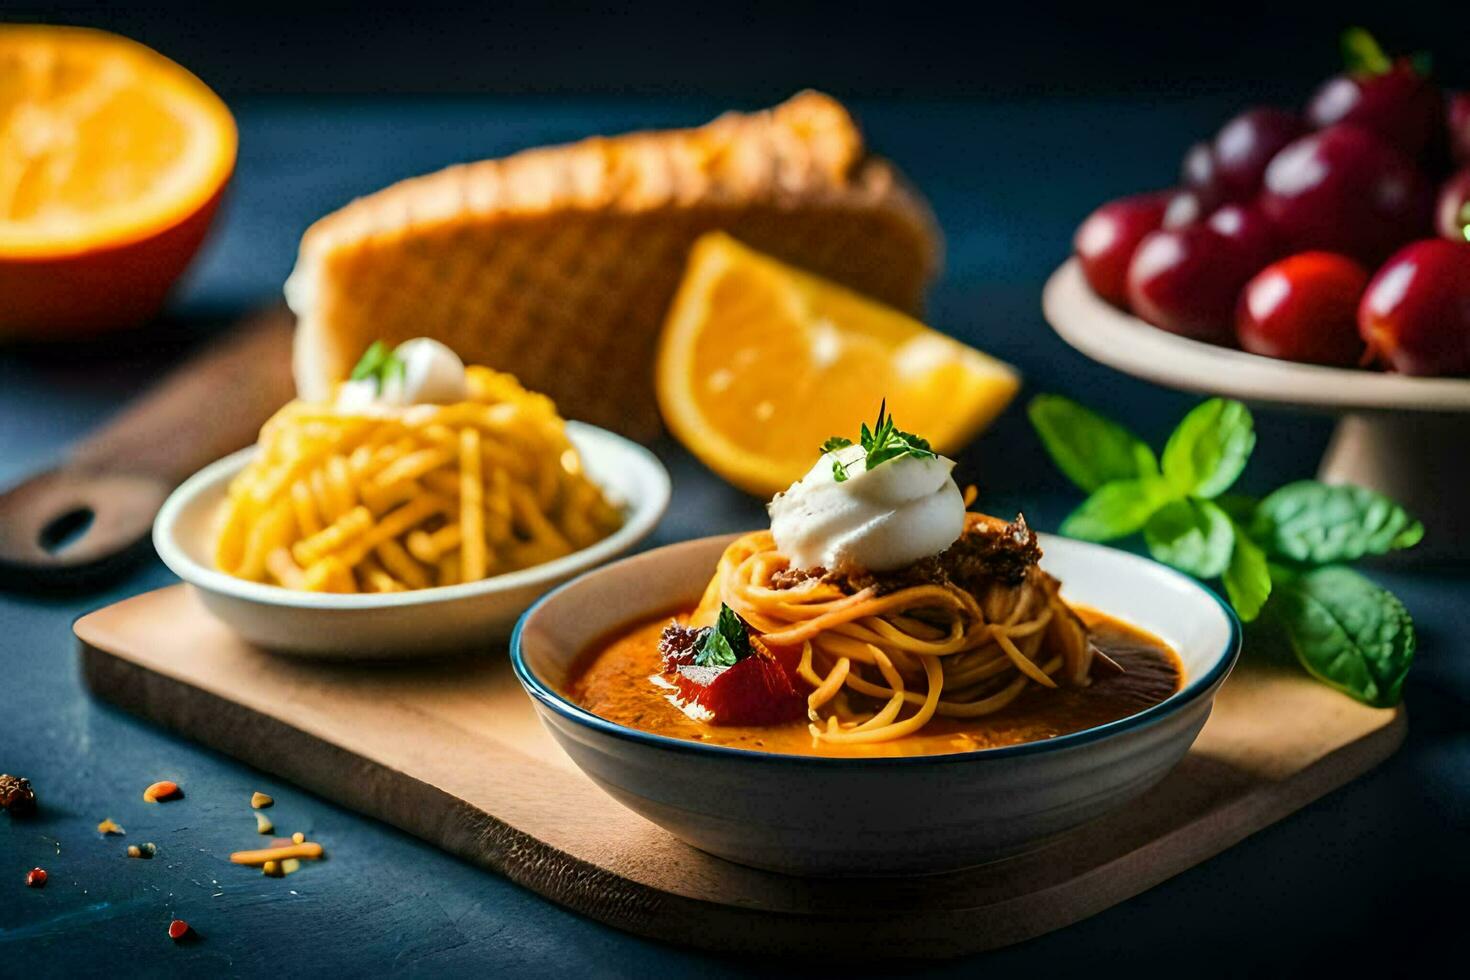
<point>878,520</point>
<point>432,375</point>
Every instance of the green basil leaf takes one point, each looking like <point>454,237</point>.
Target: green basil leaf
<point>1193,536</point>
<point>1318,524</point>
<point>886,441</point>
<point>1090,450</point>
<point>1348,633</point>
<point>1247,578</point>
<point>715,651</point>
<point>1206,453</point>
<point>833,444</point>
<point>879,455</point>
<point>1117,509</point>
<point>725,645</point>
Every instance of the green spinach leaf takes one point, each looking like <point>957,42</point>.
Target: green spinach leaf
<point>1347,632</point>
<point>1317,524</point>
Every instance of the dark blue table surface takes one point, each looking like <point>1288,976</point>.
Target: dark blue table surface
<point>1356,877</point>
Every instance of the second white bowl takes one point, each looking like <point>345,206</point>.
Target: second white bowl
<point>455,618</point>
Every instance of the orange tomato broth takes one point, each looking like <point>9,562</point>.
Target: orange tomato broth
<point>614,680</point>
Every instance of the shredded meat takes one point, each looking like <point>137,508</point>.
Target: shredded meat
<point>678,643</point>
<point>990,550</point>
<point>993,550</point>
<point>790,578</point>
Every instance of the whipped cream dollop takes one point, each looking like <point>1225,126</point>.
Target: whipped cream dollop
<point>432,375</point>
<point>879,520</point>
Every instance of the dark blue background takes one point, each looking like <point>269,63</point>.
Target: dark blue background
<point>764,49</point>
<point>1355,878</point>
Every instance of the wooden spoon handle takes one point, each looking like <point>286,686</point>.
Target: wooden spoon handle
<point>79,523</point>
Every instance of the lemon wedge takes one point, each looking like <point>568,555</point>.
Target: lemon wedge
<point>759,363</point>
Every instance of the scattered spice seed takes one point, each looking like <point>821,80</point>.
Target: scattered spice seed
<point>290,866</point>
<point>16,796</point>
<point>298,838</point>
<point>36,878</point>
<point>271,869</point>
<point>178,929</point>
<point>263,824</point>
<point>146,850</point>
<point>260,801</point>
<point>310,850</point>
<point>162,790</point>
<point>110,826</point>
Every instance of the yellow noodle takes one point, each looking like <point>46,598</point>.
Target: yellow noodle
<point>401,565</point>
<point>881,666</point>
<point>410,498</point>
<point>471,512</point>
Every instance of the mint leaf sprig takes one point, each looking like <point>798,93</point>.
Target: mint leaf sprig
<point>380,364</point>
<point>1284,554</point>
<point>882,443</point>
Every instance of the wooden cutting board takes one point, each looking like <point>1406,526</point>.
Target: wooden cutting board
<point>453,753</point>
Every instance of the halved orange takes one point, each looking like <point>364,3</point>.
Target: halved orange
<point>112,162</point>
<point>759,363</point>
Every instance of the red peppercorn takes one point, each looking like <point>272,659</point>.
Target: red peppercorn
<point>36,878</point>
<point>178,929</point>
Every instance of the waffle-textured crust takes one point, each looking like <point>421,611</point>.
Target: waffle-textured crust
<point>558,264</point>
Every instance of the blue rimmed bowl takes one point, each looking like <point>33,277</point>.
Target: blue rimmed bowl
<point>903,815</point>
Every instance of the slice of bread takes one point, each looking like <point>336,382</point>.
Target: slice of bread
<point>558,264</point>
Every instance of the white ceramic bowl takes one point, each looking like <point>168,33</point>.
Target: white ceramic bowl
<point>824,816</point>
<point>423,622</point>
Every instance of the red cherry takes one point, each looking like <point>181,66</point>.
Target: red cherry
<point>1186,280</point>
<point>1104,243</point>
<point>1198,173</point>
<point>1245,227</point>
<point>1304,308</point>
<point>1457,118</point>
<point>1345,190</point>
<point>1452,213</point>
<point>1246,144</point>
<point>1185,208</point>
<point>1415,314</point>
<point>1400,105</point>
